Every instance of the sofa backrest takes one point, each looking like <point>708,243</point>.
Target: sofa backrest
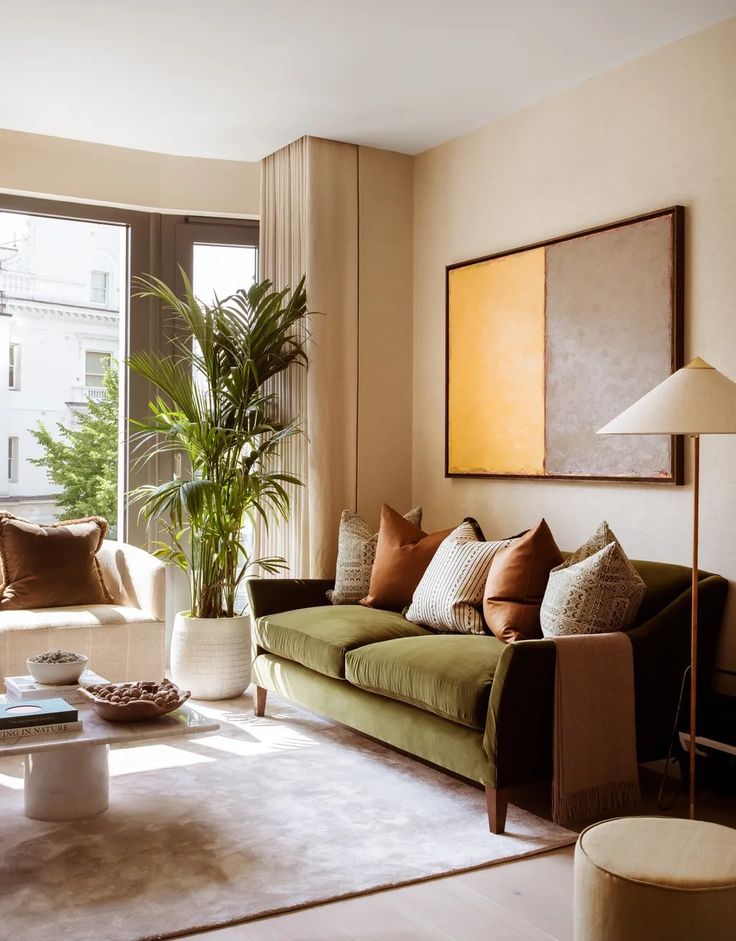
<point>133,577</point>
<point>664,582</point>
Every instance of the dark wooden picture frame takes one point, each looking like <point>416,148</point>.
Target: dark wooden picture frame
<point>673,471</point>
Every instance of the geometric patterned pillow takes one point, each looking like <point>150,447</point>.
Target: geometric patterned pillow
<point>450,594</point>
<point>602,537</point>
<point>356,553</point>
<point>595,591</point>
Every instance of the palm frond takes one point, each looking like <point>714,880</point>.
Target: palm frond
<point>215,405</point>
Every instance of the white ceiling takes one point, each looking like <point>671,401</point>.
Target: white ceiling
<point>239,78</point>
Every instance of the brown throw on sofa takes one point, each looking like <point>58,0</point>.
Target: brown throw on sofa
<point>595,766</point>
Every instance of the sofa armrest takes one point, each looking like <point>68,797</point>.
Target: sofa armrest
<point>662,653</point>
<point>134,577</point>
<point>518,736</point>
<point>274,595</point>
<point>518,733</point>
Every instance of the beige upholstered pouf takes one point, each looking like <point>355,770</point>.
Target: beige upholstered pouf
<point>655,879</point>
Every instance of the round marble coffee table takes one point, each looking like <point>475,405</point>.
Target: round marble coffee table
<point>66,775</point>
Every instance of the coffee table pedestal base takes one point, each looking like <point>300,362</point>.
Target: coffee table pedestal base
<point>67,783</point>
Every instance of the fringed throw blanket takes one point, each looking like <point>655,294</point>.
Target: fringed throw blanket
<point>595,769</point>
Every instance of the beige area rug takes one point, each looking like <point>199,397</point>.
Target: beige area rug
<point>266,815</point>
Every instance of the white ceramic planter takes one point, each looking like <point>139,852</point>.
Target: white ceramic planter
<point>211,656</point>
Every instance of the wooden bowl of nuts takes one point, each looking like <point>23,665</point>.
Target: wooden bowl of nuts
<point>135,702</point>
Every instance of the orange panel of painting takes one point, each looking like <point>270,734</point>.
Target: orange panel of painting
<point>496,366</point>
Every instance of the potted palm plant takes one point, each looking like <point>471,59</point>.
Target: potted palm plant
<point>215,409</point>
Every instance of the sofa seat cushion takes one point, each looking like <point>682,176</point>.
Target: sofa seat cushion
<point>73,616</point>
<point>319,638</point>
<point>448,675</point>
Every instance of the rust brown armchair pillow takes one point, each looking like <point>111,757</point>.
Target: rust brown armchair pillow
<point>403,553</point>
<point>516,584</point>
<point>51,566</point>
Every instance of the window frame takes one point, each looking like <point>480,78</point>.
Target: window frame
<point>181,233</point>
<point>156,244</point>
<point>142,326</point>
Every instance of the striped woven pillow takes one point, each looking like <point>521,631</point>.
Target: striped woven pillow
<point>449,596</point>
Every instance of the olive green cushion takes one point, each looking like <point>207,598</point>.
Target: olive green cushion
<point>449,675</point>
<point>320,637</point>
<point>414,731</point>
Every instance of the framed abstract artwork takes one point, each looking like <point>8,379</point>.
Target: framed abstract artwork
<point>547,343</point>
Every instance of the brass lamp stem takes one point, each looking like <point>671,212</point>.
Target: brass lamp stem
<point>694,621</point>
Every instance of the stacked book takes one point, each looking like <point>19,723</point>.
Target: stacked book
<point>37,717</point>
<point>25,688</point>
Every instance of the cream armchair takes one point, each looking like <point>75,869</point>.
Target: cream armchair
<point>124,640</point>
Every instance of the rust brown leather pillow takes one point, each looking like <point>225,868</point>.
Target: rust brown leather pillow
<point>516,583</point>
<point>51,566</point>
<point>403,552</point>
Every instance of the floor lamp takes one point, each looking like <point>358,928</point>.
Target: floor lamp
<point>696,400</point>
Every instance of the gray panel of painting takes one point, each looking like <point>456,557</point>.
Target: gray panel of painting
<point>608,342</point>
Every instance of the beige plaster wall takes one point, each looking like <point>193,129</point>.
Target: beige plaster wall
<point>68,169</point>
<point>658,131</point>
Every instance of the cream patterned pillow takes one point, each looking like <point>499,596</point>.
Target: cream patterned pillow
<point>356,552</point>
<point>595,591</point>
<point>449,596</point>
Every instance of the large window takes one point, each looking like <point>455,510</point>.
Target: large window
<point>63,436</point>
<point>66,303</point>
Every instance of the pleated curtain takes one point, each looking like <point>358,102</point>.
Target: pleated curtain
<point>309,225</point>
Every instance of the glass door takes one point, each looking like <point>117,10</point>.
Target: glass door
<point>221,270</point>
<point>219,256</point>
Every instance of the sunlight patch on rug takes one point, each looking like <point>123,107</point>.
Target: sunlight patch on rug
<point>151,757</point>
<point>266,815</point>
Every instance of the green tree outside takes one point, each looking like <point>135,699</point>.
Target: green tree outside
<point>83,461</point>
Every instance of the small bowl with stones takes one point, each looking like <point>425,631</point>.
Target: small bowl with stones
<point>57,667</point>
<point>135,702</point>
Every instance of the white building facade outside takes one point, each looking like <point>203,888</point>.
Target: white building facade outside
<point>59,327</point>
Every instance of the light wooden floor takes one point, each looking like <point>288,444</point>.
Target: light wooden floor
<point>526,900</point>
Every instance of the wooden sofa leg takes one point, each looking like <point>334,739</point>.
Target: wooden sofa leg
<point>498,802</point>
<point>260,704</point>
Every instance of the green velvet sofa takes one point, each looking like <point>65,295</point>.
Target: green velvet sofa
<point>472,705</point>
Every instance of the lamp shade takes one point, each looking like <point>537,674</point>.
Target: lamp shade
<point>695,400</point>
